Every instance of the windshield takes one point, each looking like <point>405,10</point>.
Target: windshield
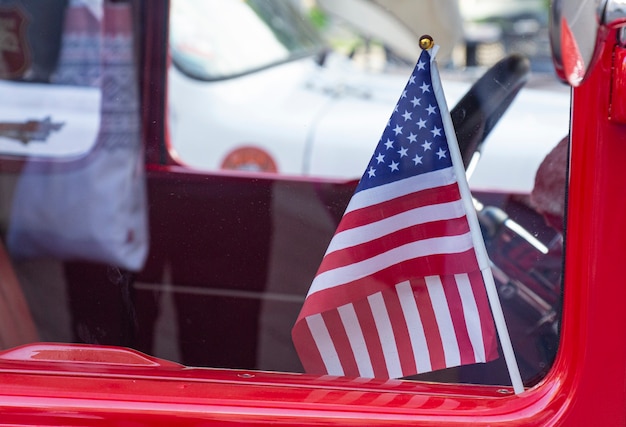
<point>205,43</point>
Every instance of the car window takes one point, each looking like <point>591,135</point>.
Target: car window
<point>320,122</point>
<point>71,154</point>
<point>220,39</point>
<point>204,254</point>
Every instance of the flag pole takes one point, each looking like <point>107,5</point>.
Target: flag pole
<point>426,43</point>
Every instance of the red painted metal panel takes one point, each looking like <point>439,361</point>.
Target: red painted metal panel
<point>590,365</point>
<point>618,93</point>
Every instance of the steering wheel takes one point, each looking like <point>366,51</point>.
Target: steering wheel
<point>475,115</point>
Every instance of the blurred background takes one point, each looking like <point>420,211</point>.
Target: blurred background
<point>327,73</point>
<point>384,33</point>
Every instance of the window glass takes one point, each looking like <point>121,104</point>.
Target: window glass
<point>50,120</point>
<point>73,185</point>
<point>321,119</point>
<point>206,258</point>
<point>219,39</point>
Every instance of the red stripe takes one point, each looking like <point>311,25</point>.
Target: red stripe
<point>388,208</point>
<point>458,319</point>
<point>307,349</point>
<point>400,332</point>
<point>431,265</point>
<point>353,254</point>
<point>372,341</point>
<point>340,340</point>
<point>429,322</point>
<point>486,320</point>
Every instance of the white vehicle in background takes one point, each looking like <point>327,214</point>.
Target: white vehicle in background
<point>321,115</point>
<point>490,9</point>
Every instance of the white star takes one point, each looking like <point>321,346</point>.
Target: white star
<point>412,137</point>
<point>417,159</point>
<point>395,109</point>
<point>425,87</point>
<point>431,109</point>
<point>389,144</point>
<point>402,152</point>
<point>403,94</point>
<point>421,123</point>
<point>380,157</point>
<point>441,153</point>
<point>398,130</point>
<point>412,80</point>
<point>394,166</point>
<point>436,131</point>
<point>371,172</point>
<point>407,115</point>
<point>421,65</point>
<point>416,101</point>
<point>427,145</point>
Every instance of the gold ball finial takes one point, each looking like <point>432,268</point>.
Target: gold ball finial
<point>426,42</point>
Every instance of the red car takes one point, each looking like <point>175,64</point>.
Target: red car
<point>138,291</point>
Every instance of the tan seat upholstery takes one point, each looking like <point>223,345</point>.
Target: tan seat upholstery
<point>16,322</point>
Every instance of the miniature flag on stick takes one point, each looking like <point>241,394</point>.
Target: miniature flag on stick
<point>401,288</point>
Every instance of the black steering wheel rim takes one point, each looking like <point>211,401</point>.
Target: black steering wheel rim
<point>476,114</point>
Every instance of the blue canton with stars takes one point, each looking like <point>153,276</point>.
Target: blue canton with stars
<point>414,141</point>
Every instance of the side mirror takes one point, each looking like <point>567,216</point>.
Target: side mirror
<point>575,29</point>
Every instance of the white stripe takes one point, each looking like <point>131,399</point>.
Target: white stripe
<point>385,333</point>
<point>472,318</point>
<point>324,344</point>
<point>357,340</point>
<point>413,320</point>
<point>375,195</point>
<point>342,275</point>
<point>365,233</point>
<point>444,321</point>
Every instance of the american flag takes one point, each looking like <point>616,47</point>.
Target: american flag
<point>400,289</point>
